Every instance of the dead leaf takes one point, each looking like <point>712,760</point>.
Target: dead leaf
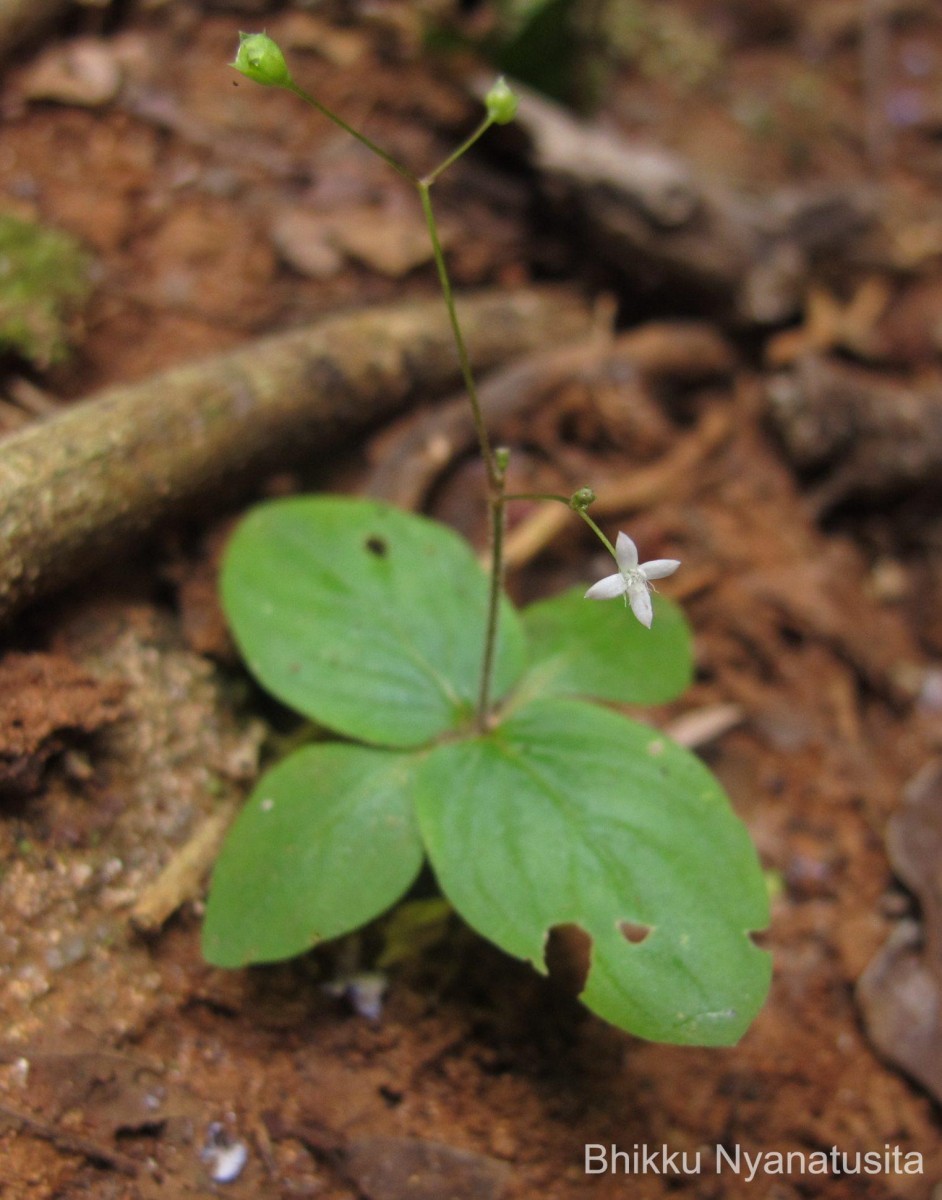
<point>303,241</point>
<point>84,72</point>
<point>391,243</point>
<point>900,992</point>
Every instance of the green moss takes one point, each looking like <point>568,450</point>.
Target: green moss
<point>44,279</point>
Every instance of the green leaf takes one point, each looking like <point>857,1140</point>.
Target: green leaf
<point>541,49</point>
<point>569,814</point>
<point>365,618</point>
<point>327,841</point>
<point>582,648</point>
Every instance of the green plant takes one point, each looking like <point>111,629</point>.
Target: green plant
<point>44,279</point>
<point>536,807</point>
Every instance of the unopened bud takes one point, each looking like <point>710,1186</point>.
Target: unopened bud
<point>501,103</point>
<point>581,500</point>
<point>261,59</point>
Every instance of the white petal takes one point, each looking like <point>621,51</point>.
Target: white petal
<point>640,603</point>
<point>659,568</point>
<point>607,588</point>
<point>626,552</point>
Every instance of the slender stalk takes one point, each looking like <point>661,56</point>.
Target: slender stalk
<point>462,149</point>
<point>497,507</point>
<point>354,133</point>
<point>598,533</point>
<point>493,474</point>
<point>538,496</point>
<point>496,470</point>
<point>569,502</point>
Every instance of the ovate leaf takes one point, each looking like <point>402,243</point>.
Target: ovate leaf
<point>541,49</point>
<point>569,814</point>
<point>580,647</point>
<point>368,619</point>
<point>327,841</point>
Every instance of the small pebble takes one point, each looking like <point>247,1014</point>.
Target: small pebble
<point>364,992</point>
<point>226,1159</point>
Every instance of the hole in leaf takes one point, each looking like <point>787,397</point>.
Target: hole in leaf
<point>378,546</point>
<point>567,954</point>
<point>634,931</point>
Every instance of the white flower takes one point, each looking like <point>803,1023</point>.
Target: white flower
<point>632,580</point>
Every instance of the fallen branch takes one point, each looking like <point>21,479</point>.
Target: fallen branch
<point>416,452</point>
<point>413,455</point>
<point>649,216</point>
<point>21,20</point>
<point>860,437</point>
<point>70,1142</point>
<point>91,482</point>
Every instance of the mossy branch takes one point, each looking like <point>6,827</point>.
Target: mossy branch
<point>90,483</point>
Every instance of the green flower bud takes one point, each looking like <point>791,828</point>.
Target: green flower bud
<point>501,103</point>
<point>581,500</point>
<point>260,59</point>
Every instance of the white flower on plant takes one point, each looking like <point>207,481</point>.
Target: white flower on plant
<point>633,580</point>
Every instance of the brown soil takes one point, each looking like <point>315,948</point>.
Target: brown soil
<point>217,211</point>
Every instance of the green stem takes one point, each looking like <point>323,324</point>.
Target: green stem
<point>495,471</point>
<point>493,474</point>
<point>598,533</point>
<point>456,154</point>
<point>497,506</point>
<point>568,501</point>
<point>538,496</point>
<point>354,133</point>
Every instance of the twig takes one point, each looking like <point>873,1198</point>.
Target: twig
<point>640,489</point>
<point>72,1143</point>
<point>703,726</point>
<point>91,482</point>
<point>182,877</point>
<point>652,217</point>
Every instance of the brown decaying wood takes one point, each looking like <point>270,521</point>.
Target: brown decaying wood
<point>652,218</point>
<point>23,19</point>
<point>88,484</point>
<point>863,437</point>
<point>416,451</point>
